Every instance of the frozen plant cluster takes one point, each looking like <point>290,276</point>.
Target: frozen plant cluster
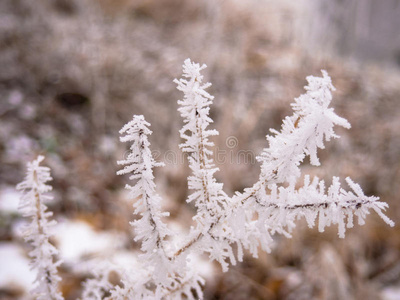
<point>224,226</point>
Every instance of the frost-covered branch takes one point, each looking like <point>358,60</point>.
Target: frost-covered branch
<point>208,195</point>
<point>149,228</point>
<point>336,206</point>
<point>37,232</point>
<point>277,207</point>
<point>278,210</point>
<point>166,272</point>
<point>209,198</point>
<point>301,134</point>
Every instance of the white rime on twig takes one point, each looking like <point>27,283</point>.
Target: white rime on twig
<point>37,232</point>
<point>172,279</point>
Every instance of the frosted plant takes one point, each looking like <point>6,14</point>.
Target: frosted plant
<point>37,232</point>
<point>171,278</point>
<point>248,220</point>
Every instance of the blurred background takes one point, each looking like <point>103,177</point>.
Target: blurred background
<point>73,72</point>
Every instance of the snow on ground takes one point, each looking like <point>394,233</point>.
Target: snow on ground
<point>391,293</point>
<point>15,273</point>
<point>77,240</point>
<point>9,199</point>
